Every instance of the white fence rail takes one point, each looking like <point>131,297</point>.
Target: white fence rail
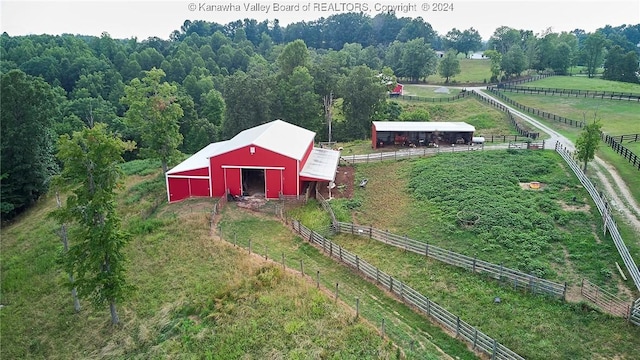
<point>635,313</point>
<point>603,208</point>
<point>478,339</point>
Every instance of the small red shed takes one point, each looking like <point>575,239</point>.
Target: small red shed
<point>273,159</point>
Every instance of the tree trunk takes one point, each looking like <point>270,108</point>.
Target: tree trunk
<point>115,320</point>
<point>164,167</point>
<point>65,245</point>
<point>584,167</point>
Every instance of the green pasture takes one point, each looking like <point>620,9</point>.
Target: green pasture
<point>584,83</point>
<point>472,71</point>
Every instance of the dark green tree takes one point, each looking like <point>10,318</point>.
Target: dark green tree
<point>294,54</point>
<point>155,114</point>
<point>593,52</point>
<point>619,66</point>
<point>449,66</point>
<point>496,60</point>
<point>248,100</point>
<point>29,107</point>
<point>96,258</point>
<point>588,142</point>
<point>362,93</point>
<point>514,61</point>
<point>418,60</point>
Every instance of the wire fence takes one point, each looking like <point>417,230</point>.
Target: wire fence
<point>622,150</point>
<point>534,111</point>
<point>409,296</point>
<point>603,95</point>
<point>515,278</point>
<point>604,208</point>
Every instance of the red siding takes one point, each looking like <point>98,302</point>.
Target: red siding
<point>199,187</point>
<point>261,158</point>
<point>233,180</point>
<point>274,183</point>
<point>178,189</point>
<point>195,172</point>
<point>374,139</point>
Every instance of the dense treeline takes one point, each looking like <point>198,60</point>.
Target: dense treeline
<point>221,79</point>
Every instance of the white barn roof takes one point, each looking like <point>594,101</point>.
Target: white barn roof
<point>277,136</point>
<point>321,164</point>
<point>423,126</point>
<point>198,160</point>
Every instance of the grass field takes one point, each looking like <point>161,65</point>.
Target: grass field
<point>403,326</point>
<point>194,297</point>
<point>617,117</point>
<point>534,327</point>
<point>475,71</point>
<point>584,83</point>
<point>428,91</point>
<point>486,119</point>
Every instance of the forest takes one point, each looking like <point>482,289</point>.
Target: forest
<point>209,81</point>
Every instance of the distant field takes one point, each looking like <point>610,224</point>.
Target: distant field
<point>618,117</point>
<point>487,120</point>
<point>584,83</point>
<point>471,71</point>
<point>428,91</point>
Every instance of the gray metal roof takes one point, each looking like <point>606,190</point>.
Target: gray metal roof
<point>321,164</point>
<point>423,126</point>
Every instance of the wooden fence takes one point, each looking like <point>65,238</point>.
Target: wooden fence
<point>615,142</point>
<point>407,153</point>
<point>604,208</point>
<point>609,303</point>
<point>603,95</point>
<point>634,318</point>
<point>327,208</point>
<point>525,80</point>
<point>409,296</point>
<point>522,130</point>
<point>534,111</point>
<point>515,278</point>
<point>461,95</point>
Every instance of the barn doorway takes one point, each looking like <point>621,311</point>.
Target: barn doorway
<point>253,183</point>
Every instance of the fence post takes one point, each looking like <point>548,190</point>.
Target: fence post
<point>357,263</point>
<point>495,348</point>
<point>301,267</point>
<point>266,256</point>
<point>235,238</point>
<point>457,326</point>
<point>283,266</point>
<point>377,275</point>
<point>249,246</point>
<point>357,307</point>
<point>336,299</point>
<point>382,329</point>
<point>318,279</point>
<point>474,264</point>
<point>369,231</point>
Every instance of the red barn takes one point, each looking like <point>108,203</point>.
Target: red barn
<point>272,159</point>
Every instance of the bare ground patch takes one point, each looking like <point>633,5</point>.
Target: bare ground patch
<point>535,186</point>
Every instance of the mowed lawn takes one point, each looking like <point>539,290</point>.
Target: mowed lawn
<point>471,71</point>
<point>584,83</point>
<point>617,117</point>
